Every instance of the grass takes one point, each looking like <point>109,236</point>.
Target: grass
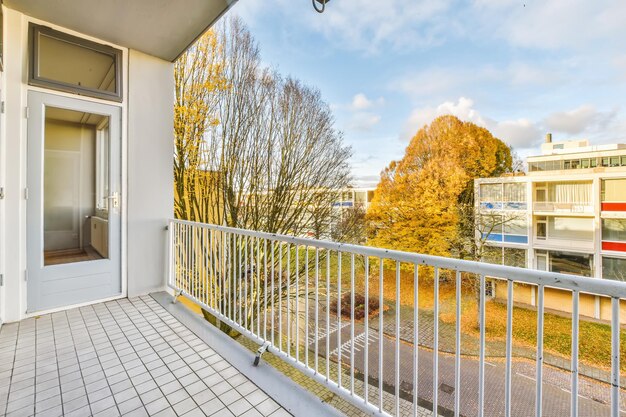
<point>594,337</point>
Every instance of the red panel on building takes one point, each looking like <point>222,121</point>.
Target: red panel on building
<point>615,246</point>
<point>613,206</point>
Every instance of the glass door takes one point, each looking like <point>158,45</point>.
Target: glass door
<point>73,217</point>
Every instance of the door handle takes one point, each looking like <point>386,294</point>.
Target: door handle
<point>114,198</point>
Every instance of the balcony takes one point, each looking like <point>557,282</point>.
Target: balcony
<point>297,300</point>
<point>302,302</point>
<point>563,208</point>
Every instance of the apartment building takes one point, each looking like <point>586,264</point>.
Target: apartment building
<point>567,214</point>
<point>355,197</point>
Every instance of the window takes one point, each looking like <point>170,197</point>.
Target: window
<point>491,192</point>
<point>514,192</point>
<point>491,224</point>
<point>542,228</point>
<point>614,190</point>
<point>67,63</point>
<point>614,268</point>
<point>614,230</point>
<point>571,263</point>
<point>570,228</point>
<point>569,192</point>
<point>593,163</point>
<point>515,257</point>
<point>624,160</point>
<point>516,226</point>
<point>542,260</point>
<point>584,163</point>
<point>541,193</point>
<point>614,161</point>
<point>605,162</point>
<point>492,255</point>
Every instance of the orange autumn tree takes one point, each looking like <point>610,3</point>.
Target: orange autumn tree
<point>420,199</point>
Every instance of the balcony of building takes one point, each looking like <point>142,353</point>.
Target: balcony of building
<point>300,302</point>
<point>566,198</point>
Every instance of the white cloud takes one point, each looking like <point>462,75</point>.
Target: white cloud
<point>371,25</point>
<point>582,119</point>
<point>520,134</point>
<point>361,102</point>
<point>553,24</point>
<point>463,109</point>
<point>364,121</point>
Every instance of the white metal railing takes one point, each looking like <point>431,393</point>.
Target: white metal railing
<point>286,293</point>
<point>574,207</point>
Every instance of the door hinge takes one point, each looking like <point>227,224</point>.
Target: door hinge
<point>26,112</point>
<point>1,193</point>
<point>26,275</point>
<point>2,107</point>
<point>1,280</point>
<point>25,193</point>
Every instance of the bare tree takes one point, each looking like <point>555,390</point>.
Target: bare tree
<point>253,150</point>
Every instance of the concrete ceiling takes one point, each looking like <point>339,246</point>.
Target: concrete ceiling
<point>163,28</point>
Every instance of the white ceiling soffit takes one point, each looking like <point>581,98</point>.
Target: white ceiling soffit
<point>163,28</point>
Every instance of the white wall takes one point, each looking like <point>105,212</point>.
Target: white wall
<point>150,200</point>
<point>14,226</point>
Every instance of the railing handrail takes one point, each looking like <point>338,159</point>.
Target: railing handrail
<point>614,289</point>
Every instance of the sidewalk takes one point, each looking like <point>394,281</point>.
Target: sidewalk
<point>470,346</point>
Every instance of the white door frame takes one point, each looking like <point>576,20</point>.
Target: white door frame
<point>61,286</point>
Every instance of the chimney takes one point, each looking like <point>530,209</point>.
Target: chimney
<point>548,137</point>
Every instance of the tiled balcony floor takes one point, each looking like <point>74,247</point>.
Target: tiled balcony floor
<point>128,357</point>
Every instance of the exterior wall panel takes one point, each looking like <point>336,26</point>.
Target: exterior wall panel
<point>150,170</point>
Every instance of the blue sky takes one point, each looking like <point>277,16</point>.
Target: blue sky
<point>519,68</point>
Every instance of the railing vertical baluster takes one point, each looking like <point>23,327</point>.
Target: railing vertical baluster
<point>251,298</point>
<point>244,281</point>
<point>280,296</point>
<point>223,274</point>
<point>397,335</point>
<point>327,326</point>
<point>273,245</point>
<point>575,318</point>
<point>615,356</point>
<point>539,376</point>
<point>352,323</point>
<point>481,359</point>
<point>339,318</point>
<point>211,268</point>
<point>265,289</point>
<point>436,344</point>
<point>457,350</point>
<point>380,333</point>
<point>189,279</point>
<point>233,277</point>
<point>366,364</point>
<point>297,271</point>
<point>415,338</point>
<point>238,280</point>
<point>257,285</point>
<point>306,306</point>
<point>317,307</point>
<point>509,348</point>
<point>288,300</point>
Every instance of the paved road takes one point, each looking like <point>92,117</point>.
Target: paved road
<point>556,400</point>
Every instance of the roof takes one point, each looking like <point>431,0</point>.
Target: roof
<point>162,28</point>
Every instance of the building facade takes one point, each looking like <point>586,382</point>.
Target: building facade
<point>567,214</point>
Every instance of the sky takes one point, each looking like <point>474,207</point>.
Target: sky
<point>387,68</point>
